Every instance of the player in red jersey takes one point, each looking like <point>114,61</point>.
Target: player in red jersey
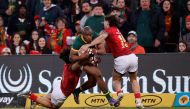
<point>61,90</point>
<point>124,59</point>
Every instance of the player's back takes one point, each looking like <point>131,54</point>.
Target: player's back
<point>116,42</point>
<point>70,80</point>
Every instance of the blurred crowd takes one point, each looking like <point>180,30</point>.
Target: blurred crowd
<point>48,26</point>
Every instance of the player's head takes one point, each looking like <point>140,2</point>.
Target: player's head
<point>87,34</point>
<point>110,21</point>
<point>64,55</point>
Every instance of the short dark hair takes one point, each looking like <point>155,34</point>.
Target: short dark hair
<point>87,31</point>
<point>98,5</point>
<point>64,55</point>
<point>112,20</point>
<point>62,19</point>
<point>85,2</point>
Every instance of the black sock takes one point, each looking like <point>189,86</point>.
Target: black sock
<point>78,90</point>
<point>107,94</point>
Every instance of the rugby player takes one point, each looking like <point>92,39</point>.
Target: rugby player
<point>89,65</point>
<point>124,59</point>
<point>60,91</point>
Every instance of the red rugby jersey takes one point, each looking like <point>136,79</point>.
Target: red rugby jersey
<point>70,80</point>
<point>116,42</point>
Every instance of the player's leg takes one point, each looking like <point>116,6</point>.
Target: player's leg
<point>45,101</point>
<point>42,100</point>
<point>133,67</point>
<point>57,95</point>
<point>136,89</point>
<point>93,70</point>
<point>87,85</point>
<point>116,79</point>
<point>120,66</point>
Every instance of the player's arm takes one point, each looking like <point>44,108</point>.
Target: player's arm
<point>101,48</point>
<point>101,38</point>
<point>74,57</point>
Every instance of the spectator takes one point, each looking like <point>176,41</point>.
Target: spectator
<point>3,35</point>
<point>133,4</point>
<point>6,51</point>
<point>186,33</point>
<point>21,24</point>
<point>74,14</point>
<point>182,47</point>
<point>77,28</point>
<point>34,41</point>
<point>66,7</point>
<point>123,18</point>
<point>58,36</point>
<point>34,7</point>
<point>95,22</point>
<point>134,46</point>
<point>149,24</point>
<point>16,42</point>
<point>156,4</point>
<point>87,10</point>
<point>50,12</point>
<point>5,10</point>
<point>171,35</point>
<point>75,10</point>
<point>23,49</point>
<point>185,13</point>
<point>105,6</point>
<point>114,3</point>
<point>42,46</point>
<point>39,26</point>
<point>187,8</point>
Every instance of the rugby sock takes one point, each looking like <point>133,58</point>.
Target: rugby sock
<point>33,97</point>
<point>138,97</point>
<point>107,94</point>
<point>119,91</point>
<point>78,90</point>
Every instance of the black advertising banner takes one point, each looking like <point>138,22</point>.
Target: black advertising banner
<point>10,100</point>
<point>23,73</point>
<point>158,73</point>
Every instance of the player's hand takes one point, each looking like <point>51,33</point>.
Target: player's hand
<point>84,48</point>
<point>84,56</point>
<point>103,33</point>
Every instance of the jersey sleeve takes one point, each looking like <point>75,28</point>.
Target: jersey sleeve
<point>76,44</point>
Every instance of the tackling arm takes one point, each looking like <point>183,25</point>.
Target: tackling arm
<point>103,35</point>
<point>75,57</point>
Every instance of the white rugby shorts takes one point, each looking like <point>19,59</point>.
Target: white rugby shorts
<point>57,96</point>
<point>126,63</point>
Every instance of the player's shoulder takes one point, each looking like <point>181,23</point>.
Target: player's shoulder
<point>77,43</point>
<point>111,29</point>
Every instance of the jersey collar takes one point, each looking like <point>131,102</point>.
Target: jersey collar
<point>82,37</point>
